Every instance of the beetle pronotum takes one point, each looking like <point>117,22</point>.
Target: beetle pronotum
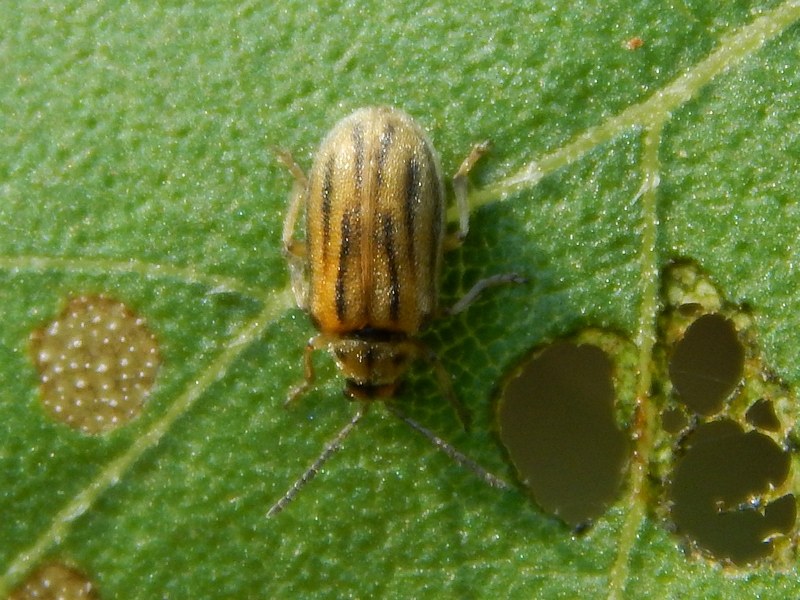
<point>368,270</point>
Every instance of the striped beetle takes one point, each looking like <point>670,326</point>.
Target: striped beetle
<point>368,270</point>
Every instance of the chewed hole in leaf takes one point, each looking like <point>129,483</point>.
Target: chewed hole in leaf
<point>762,415</point>
<point>674,420</point>
<point>556,419</point>
<point>707,364</point>
<point>55,581</point>
<point>97,363</point>
<point>717,490</point>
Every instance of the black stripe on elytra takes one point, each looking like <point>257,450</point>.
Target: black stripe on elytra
<point>391,259</point>
<point>387,137</point>
<point>327,188</point>
<point>411,205</point>
<point>358,148</point>
<point>344,252</point>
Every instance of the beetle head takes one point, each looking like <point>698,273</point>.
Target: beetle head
<point>372,368</point>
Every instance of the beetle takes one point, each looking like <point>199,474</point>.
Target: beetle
<point>367,272</point>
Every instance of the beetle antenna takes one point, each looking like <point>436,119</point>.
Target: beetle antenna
<point>312,470</point>
<point>451,451</point>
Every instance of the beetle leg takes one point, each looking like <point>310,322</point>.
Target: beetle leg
<point>294,249</point>
<point>291,246</point>
<point>481,285</point>
<point>420,350</point>
<point>460,185</point>
<point>315,343</point>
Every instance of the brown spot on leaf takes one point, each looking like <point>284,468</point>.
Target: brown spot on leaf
<point>55,581</point>
<point>97,363</point>
<point>634,43</point>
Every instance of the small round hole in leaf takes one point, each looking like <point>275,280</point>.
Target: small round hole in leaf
<point>762,415</point>
<point>674,420</point>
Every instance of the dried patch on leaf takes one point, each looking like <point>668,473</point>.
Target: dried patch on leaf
<point>55,581</point>
<point>97,363</point>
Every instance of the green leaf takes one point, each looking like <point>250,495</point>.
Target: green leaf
<point>135,161</point>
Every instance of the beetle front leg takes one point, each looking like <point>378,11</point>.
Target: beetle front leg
<point>315,343</point>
